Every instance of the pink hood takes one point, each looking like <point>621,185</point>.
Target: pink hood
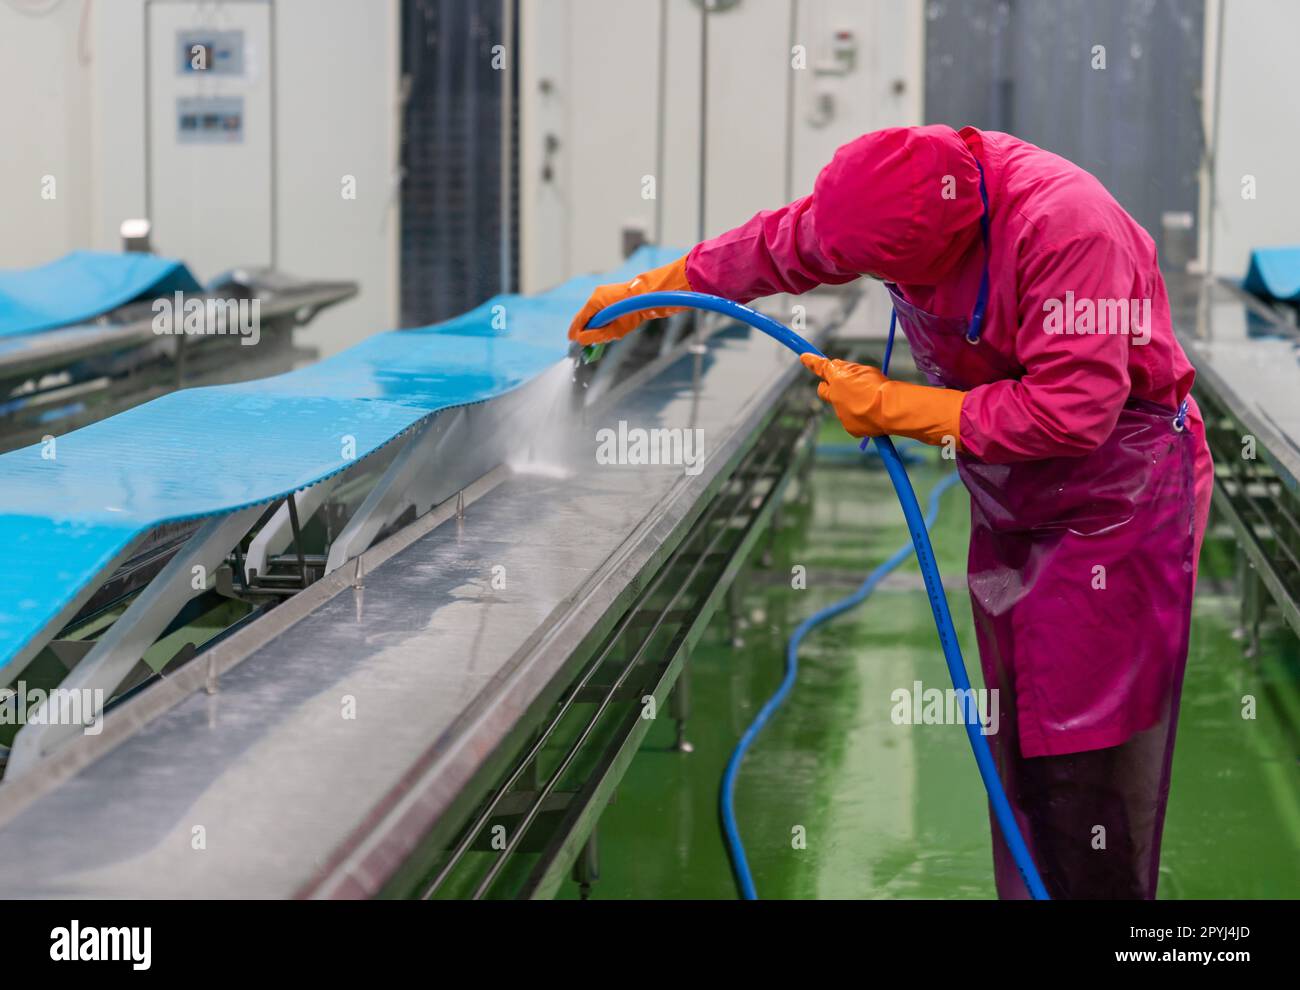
<point>902,204</point>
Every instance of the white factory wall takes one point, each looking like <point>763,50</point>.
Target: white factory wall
<point>79,117</point>
<point>590,77</point>
<point>117,159</point>
<point>44,131</point>
<point>339,115</point>
<point>82,119</point>
<point>1257,136</point>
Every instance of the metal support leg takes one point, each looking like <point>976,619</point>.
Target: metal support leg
<point>586,868</point>
<point>275,536</point>
<point>117,652</point>
<point>678,327</point>
<point>805,483</point>
<point>603,376</point>
<point>396,489</point>
<point>444,456</point>
<point>292,506</point>
<point>679,706</point>
<point>23,657</point>
<point>1253,594</point>
<point>736,614</point>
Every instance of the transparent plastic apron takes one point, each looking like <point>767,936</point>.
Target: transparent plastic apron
<point>1081,581</point>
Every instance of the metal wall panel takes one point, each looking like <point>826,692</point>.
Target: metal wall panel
<point>452,157</point>
<point>1026,67</point>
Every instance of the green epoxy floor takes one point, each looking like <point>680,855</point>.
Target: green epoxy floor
<point>892,811</point>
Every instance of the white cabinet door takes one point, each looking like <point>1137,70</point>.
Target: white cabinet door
<point>211,152</point>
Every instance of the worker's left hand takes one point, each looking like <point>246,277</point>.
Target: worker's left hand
<point>671,277</point>
<point>870,404</point>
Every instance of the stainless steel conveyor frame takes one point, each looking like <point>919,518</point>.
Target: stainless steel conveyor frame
<point>58,380</point>
<point>1245,355</point>
<point>244,773</point>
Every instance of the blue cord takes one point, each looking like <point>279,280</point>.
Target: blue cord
<point>736,848</point>
<point>918,528</point>
<point>908,450</point>
<point>889,344</point>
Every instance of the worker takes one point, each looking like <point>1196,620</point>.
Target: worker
<point>1035,308</point>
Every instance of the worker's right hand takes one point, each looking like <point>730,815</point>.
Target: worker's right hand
<point>870,404</point>
<point>669,278</point>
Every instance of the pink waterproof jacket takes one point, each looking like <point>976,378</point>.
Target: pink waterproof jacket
<point>1077,300</point>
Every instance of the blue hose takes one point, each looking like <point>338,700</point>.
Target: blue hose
<point>731,831</point>
<point>855,452</point>
<point>918,528</point>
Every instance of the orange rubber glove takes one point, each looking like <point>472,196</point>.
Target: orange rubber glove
<point>669,278</point>
<point>869,404</point>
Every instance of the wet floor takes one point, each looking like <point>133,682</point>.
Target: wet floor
<point>835,800</point>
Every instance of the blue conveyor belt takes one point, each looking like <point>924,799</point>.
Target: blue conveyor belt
<point>83,285</point>
<point>206,451</point>
<point>1274,273</point>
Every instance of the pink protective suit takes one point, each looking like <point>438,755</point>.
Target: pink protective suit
<point>880,209</point>
<point>1070,450</point>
